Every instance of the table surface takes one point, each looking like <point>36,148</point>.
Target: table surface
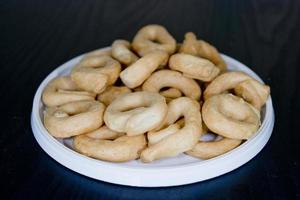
<point>37,36</point>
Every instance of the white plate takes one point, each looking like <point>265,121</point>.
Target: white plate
<point>179,170</point>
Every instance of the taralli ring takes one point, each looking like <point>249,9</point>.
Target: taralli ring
<point>211,149</point>
<point>245,86</point>
<point>95,73</point>
<point>253,92</point>
<point>194,67</point>
<point>203,49</point>
<point>156,136</point>
<point>184,139</point>
<point>230,116</point>
<point>135,74</point>
<point>151,38</point>
<point>74,118</point>
<point>98,52</point>
<point>104,133</point>
<point>111,93</point>
<point>122,149</point>
<point>63,90</point>
<point>171,93</point>
<point>121,52</point>
<point>169,78</point>
<point>136,113</point>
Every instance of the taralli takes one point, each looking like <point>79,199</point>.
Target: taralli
<point>211,149</point>
<point>151,38</point>
<point>136,113</point>
<point>98,52</point>
<point>151,109</point>
<point>224,82</point>
<point>211,53</point>
<point>171,93</point>
<point>104,133</point>
<point>253,92</point>
<point>63,90</point>
<point>156,136</point>
<point>169,78</point>
<point>74,118</point>
<point>121,52</point>
<point>95,73</point>
<point>194,67</point>
<point>135,74</point>
<point>184,139</point>
<point>122,149</point>
<point>230,116</point>
<point>245,86</point>
<point>203,49</point>
<point>111,93</point>
<point>190,45</point>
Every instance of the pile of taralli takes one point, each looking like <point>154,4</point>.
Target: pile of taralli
<point>144,100</point>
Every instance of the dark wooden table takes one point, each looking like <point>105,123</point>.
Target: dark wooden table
<point>37,36</point>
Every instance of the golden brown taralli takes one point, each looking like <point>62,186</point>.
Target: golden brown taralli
<point>151,38</point>
<point>74,118</point>
<point>122,149</point>
<point>63,90</point>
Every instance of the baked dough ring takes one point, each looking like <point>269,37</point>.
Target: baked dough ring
<point>203,49</point>
<point>122,149</point>
<point>230,116</point>
<point>169,78</point>
<point>184,139</point>
<point>156,136</point>
<point>244,85</point>
<point>95,73</point>
<point>153,37</point>
<point>74,118</point>
<point>136,113</point>
<point>104,133</point>
<point>63,90</point>
<point>111,93</point>
<point>121,52</point>
<point>194,67</point>
<point>170,94</point>
<point>135,74</point>
<point>210,149</point>
<point>226,81</point>
<point>98,52</point>
<point>253,92</point>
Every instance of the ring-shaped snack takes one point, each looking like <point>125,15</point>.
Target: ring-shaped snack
<point>95,73</point>
<point>122,149</point>
<point>136,113</point>
<point>184,139</point>
<point>194,67</point>
<point>173,79</point>
<point>112,92</point>
<point>74,118</point>
<point>203,49</point>
<point>211,149</point>
<point>151,38</point>
<point>230,116</point>
<point>121,52</point>
<point>171,93</point>
<point>104,133</point>
<point>253,92</point>
<point>243,85</point>
<point>63,90</point>
<point>135,74</point>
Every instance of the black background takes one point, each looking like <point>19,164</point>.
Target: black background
<point>37,36</point>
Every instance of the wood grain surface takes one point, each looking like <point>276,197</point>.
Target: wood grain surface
<point>37,36</point>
